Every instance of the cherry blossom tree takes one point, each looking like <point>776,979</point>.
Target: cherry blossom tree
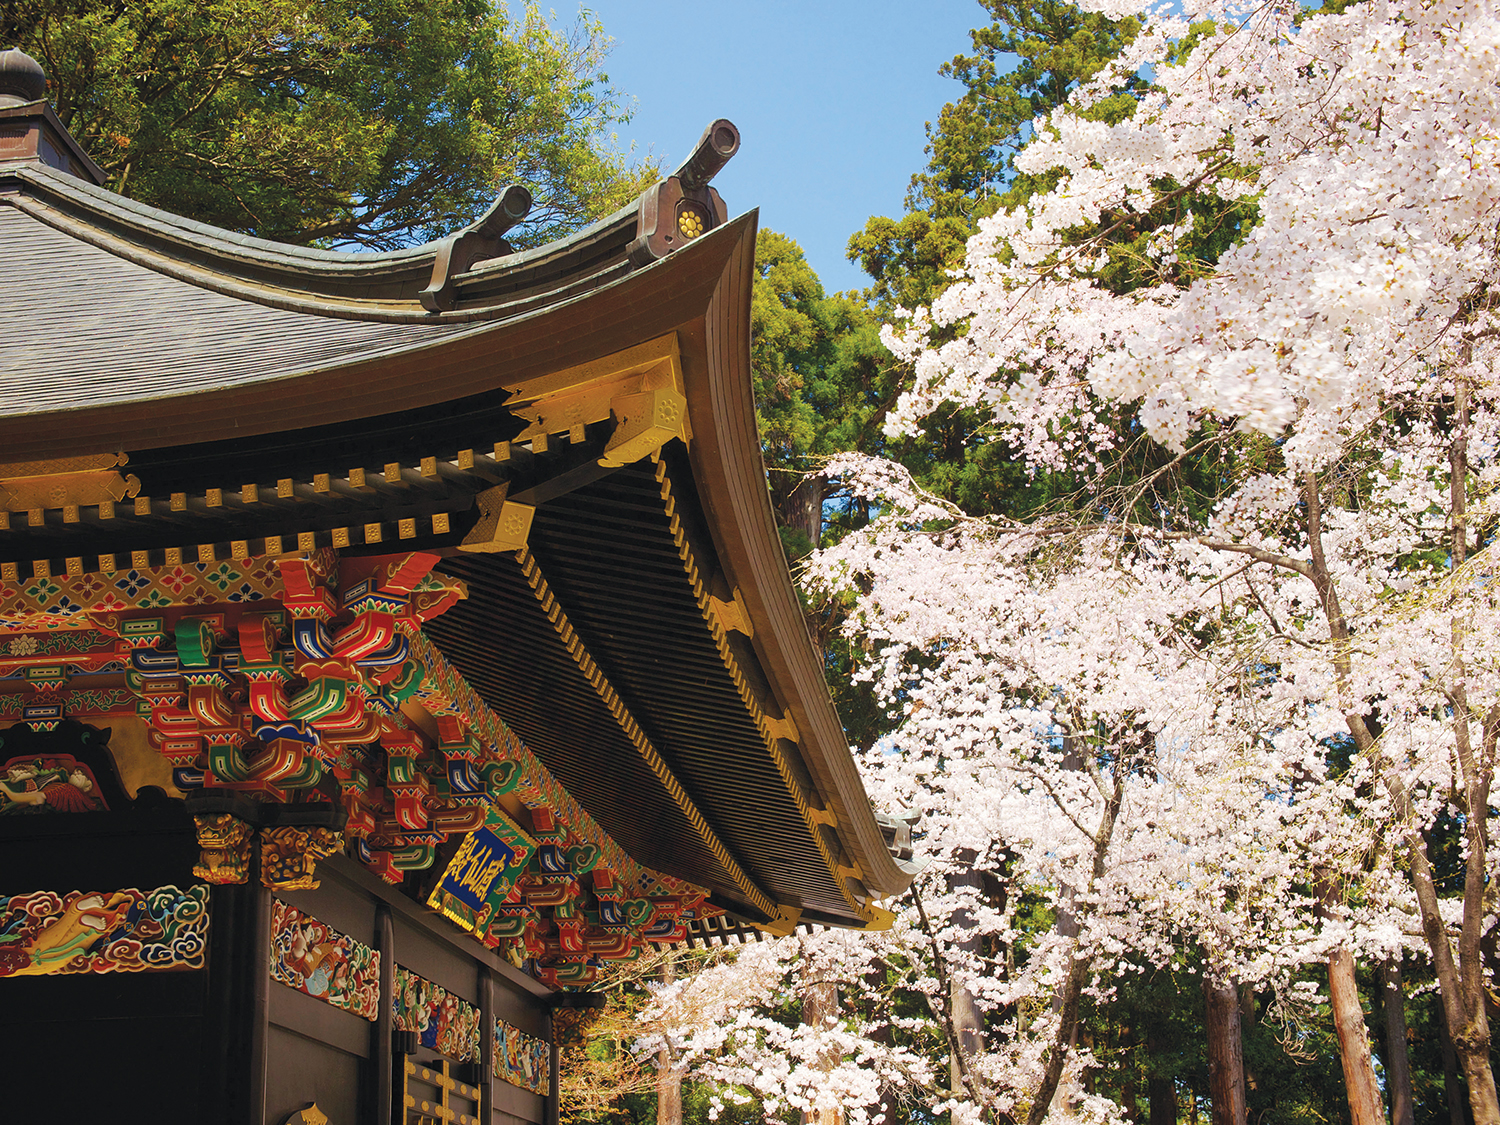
<point>1222,699</point>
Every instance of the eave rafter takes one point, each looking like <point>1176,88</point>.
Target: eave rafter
<point>591,671</point>
<point>721,615</point>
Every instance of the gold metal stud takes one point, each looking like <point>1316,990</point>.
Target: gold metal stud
<point>689,223</point>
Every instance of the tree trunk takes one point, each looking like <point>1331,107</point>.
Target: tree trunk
<point>875,986</point>
<point>1460,979</point>
<point>820,1007</point>
<point>1065,1001</point>
<point>1397,1063</point>
<point>803,511</point>
<point>1452,1086</point>
<point>1365,1106</point>
<point>968,1022</point>
<point>1247,1026</point>
<point>668,1090</point>
<point>1161,1091</point>
<point>668,1077</point>
<point>1463,983</point>
<point>1161,1101</point>
<point>1226,1053</point>
<point>1130,1098</point>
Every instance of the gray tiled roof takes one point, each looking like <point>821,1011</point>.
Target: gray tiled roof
<point>81,325</point>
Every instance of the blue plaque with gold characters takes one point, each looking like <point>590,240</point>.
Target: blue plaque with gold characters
<point>482,872</point>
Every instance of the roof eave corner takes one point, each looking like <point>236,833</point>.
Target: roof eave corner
<point>727,464</point>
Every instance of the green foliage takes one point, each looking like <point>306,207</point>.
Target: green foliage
<point>816,359</point>
<point>377,123</point>
<point>1051,47</point>
<point>823,381</point>
<point>970,172</point>
<point>909,257</point>
<point>1056,47</point>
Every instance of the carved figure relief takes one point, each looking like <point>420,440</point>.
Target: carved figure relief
<point>128,931</point>
<point>441,1021</point>
<point>318,960</point>
<point>58,784</point>
<point>522,1060</point>
<point>65,769</point>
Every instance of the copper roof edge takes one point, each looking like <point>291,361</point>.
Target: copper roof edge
<point>729,470</point>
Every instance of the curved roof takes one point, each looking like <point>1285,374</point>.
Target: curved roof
<point>332,283</point>
<point>231,367</point>
<point>118,350</point>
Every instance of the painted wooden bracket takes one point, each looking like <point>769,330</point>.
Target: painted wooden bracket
<point>640,390</point>
<point>879,917</point>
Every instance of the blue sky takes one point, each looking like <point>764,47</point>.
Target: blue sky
<point>830,97</point>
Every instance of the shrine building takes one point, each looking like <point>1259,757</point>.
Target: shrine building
<point>388,642</point>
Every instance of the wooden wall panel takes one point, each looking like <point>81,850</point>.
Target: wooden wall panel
<point>303,1070</point>
<point>438,962</point>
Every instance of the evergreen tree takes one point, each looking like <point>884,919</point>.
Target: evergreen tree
<point>970,173</point>
<point>377,123</point>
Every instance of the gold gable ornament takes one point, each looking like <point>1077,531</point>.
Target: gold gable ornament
<point>640,390</point>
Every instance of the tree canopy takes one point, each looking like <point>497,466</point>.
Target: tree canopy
<point>365,123</point>
<point>1203,751</point>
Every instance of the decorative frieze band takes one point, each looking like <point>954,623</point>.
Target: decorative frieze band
<point>316,959</point>
<point>126,931</point>
<point>522,1060</point>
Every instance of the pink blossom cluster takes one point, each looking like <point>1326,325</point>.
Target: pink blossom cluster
<point>1151,722</point>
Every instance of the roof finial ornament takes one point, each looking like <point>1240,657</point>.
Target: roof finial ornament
<point>22,79</point>
<point>682,208</point>
<point>478,241</point>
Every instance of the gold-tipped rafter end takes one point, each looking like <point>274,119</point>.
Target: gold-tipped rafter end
<point>784,923</point>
